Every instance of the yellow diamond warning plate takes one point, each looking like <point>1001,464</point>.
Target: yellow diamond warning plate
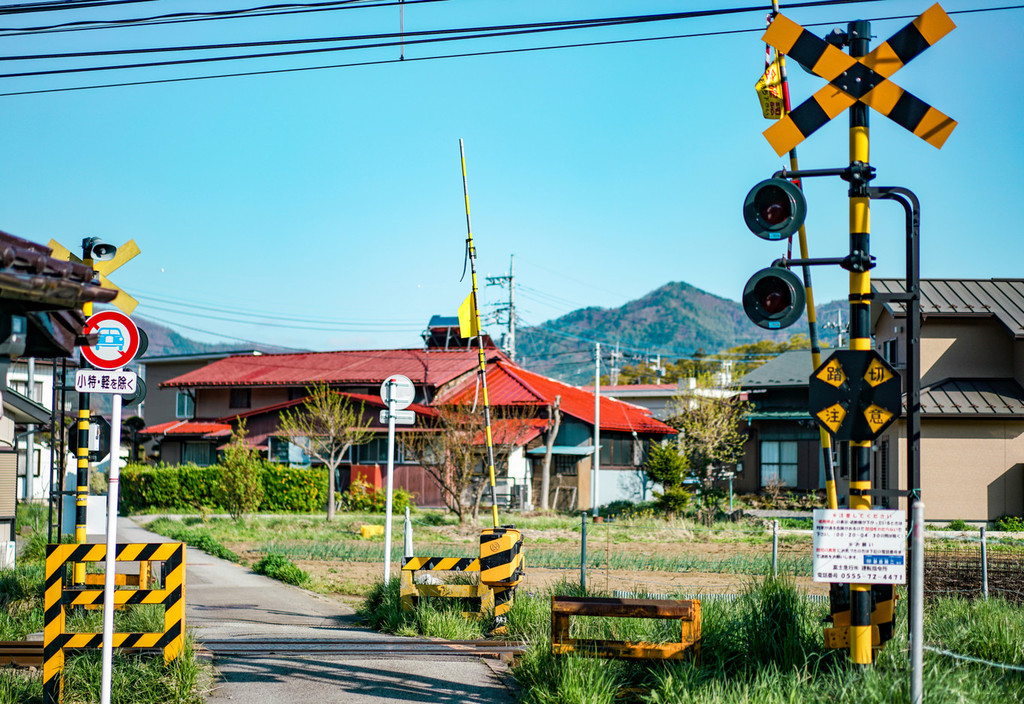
<point>877,417</point>
<point>877,373</point>
<point>832,373</point>
<point>833,417</point>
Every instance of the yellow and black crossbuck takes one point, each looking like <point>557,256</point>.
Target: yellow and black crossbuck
<point>864,80</point>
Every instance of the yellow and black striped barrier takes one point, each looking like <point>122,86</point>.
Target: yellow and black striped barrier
<point>411,591</point>
<point>57,596</point>
<point>500,566</point>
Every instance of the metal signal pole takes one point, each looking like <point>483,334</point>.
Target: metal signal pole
<point>825,439</point>
<point>859,34</point>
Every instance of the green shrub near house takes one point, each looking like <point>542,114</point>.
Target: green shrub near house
<point>189,487</point>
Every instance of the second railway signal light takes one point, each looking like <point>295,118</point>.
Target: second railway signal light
<point>774,209</point>
<point>774,298</point>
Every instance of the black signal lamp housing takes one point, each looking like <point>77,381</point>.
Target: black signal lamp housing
<point>774,209</point>
<point>774,298</point>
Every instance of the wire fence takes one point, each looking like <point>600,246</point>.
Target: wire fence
<point>968,567</point>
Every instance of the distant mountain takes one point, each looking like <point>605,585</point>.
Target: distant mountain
<point>166,341</point>
<point>675,320</point>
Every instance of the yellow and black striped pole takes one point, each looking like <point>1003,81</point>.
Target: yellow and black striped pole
<point>482,370</point>
<point>812,320</point>
<point>859,34</point>
<point>82,479</point>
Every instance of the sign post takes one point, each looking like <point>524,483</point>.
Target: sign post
<point>118,343</point>
<point>397,393</point>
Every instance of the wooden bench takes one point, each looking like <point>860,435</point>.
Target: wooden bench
<point>686,611</point>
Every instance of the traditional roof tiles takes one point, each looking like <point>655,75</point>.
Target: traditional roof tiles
<point>509,385</point>
<point>430,367</point>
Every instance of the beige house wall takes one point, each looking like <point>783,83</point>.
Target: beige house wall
<point>966,348</point>
<point>970,469</point>
<point>214,403</point>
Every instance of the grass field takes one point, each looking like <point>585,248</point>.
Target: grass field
<point>765,646</point>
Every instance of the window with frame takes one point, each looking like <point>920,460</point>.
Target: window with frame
<point>376,452</point>
<point>198,453</point>
<point>779,462</point>
<point>184,405</point>
<point>617,452</point>
<point>240,398</point>
<point>890,351</point>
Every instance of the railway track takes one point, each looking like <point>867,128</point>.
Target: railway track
<point>30,653</point>
<point>363,648</point>
<point>21,653</point>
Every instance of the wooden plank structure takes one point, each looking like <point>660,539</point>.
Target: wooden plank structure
<point>687,611</point>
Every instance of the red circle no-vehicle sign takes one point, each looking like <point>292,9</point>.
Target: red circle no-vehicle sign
<point>118,340</point>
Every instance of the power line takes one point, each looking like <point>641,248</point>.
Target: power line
<point>183,17</point>
<point>258,316</point>
<point>381,62</point>
<point>62,5</point>
<point>530,28</point>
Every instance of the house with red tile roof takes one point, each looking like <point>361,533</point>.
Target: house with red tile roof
<point>258,388</point>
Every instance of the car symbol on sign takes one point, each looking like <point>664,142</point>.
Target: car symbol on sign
<point>110,337</point>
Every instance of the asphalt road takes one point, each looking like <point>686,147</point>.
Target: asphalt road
<point>226,601</point>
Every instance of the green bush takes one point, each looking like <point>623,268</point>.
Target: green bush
<point>277,566</point>
<point>361,498</point>
<point>1013,524</point>
<point>957,524</point>
<point>191,487</point>
<point>293,488</point>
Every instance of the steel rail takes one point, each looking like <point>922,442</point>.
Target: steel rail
<point>21,653</point>
<point>375,648</point>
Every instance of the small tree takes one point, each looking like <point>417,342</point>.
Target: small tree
<point>711,437</point>
<point>508,432</point>
<point>241,475</point>
<point>555,420</point>
<point>326,427</point>
<point>448,454</point>
<point>669,468</point>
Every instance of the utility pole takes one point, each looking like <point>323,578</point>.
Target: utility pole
<point>838,327</point>
<point>597,425</point>
<point>510,337</point>
<point>616,356</point>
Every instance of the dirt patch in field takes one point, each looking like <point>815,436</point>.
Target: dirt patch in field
<point>350,581</point>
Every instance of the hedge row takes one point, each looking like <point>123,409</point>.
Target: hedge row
<point>190,487</point>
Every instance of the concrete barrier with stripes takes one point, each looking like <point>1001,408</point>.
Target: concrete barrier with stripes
<point>58,596</point>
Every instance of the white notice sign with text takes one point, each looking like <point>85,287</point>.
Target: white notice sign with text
<point>865,547</point>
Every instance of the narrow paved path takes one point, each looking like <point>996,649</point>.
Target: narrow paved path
<point>226,601</point>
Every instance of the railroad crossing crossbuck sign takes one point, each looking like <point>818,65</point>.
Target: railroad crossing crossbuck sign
<point>855,395</point>
<point>864,79</point>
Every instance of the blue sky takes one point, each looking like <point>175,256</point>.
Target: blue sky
<point>334,197</point>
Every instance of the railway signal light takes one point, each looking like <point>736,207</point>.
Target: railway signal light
<point>774,298</point>
<point>774,209</point>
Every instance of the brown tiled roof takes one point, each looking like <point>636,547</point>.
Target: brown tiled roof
<point>1001,298</point>
<point>973,397</point>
